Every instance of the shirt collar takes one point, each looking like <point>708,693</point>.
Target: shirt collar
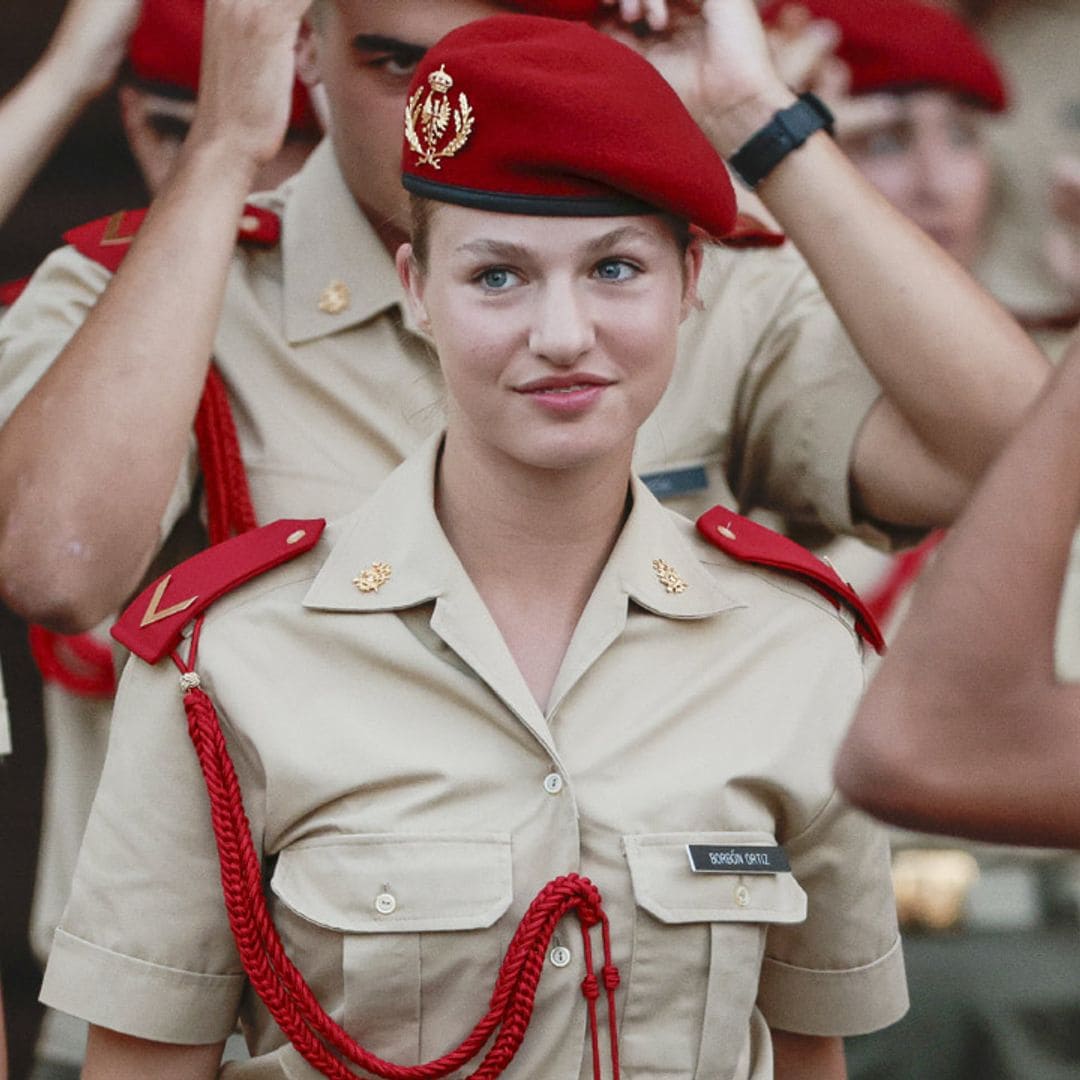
<point>656,560</point>
<point>657,563</point>
<point>396,528</point>
<point>328,243</point>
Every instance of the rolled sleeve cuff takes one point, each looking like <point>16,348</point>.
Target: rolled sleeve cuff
<point>855,1001</point>
<point>135,997</point>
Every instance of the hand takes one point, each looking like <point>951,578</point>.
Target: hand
<point>91,41</point>
<point>716,56</point>
<point>246,81</point>
<point>803,53</point>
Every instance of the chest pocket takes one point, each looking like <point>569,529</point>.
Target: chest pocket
<point>416,918</point>
<point>698,945</point>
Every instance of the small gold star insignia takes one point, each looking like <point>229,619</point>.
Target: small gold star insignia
<point>668,577</point>
<point>374,577</point>
<point>335,298</point>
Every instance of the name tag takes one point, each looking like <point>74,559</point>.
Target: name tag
<point>737,859</point>
<point>665,485</point>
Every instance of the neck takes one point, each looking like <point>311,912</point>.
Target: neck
<point>519,523</point>
<point>534,542</point>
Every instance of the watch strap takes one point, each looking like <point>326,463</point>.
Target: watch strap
<point>786,131</point>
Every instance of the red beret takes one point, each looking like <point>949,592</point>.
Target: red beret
<point>559,9</point>
<point>522,114</point>
<point>905,44</point>
<point>166,50</point>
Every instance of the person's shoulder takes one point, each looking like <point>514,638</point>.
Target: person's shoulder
<point>773,571</point>
<point>753,267</point>
<point>236,573</point>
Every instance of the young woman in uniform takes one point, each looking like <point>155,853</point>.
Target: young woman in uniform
<point>510,667</point>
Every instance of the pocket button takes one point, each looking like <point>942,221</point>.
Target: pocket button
<point>385,904</point>
<point>560,956</point>
<point>742,896</point>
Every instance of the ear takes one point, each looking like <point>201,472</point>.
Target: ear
<point>412,281</point>
<point>307,53</point>
<point>693,259</point>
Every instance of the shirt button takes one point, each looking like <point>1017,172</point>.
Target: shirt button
<point>560,956</point>
<point>385,904</point>
<point>742,896</point>
<point>553,783</point>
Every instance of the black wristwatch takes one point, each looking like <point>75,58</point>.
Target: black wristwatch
<point>786,131</point>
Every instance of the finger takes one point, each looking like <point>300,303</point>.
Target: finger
<point>858,115</point>
<point>656,14</point>
<point>630,10</point>
<point>798,58</point>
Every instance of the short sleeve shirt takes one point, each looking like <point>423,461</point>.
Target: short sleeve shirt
<point>410,798</point>
<point>333,385</point>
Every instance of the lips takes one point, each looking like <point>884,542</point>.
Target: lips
<point>563,384</point>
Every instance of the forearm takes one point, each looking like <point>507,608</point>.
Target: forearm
<point>89,458</point>
<point>965,727</point>
<point>111,1056</point>
<point>34,117</point>
<point>952,363</point>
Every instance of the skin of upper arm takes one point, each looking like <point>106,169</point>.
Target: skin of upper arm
<point>113,1056</point>
<point>808,1057</point>
<point>895,479</point>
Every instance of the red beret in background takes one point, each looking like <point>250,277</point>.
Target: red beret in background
<point>166,49</point>
<point>904,44</point>
<point>558,9</point>
<point>522,114</point>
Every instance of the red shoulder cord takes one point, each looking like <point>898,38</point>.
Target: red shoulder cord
<point>80,663</point>
<point>900,576</point>
<point>289,999</point>
<point>228,500</point>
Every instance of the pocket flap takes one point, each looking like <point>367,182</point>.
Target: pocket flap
<point>667,887</point>
<point>394,884</point>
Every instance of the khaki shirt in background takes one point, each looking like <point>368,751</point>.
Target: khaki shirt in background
<point>1035,42</point>
<point>333,385</point>
<point>387,745</point>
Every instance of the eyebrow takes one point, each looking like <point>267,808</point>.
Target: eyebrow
<point>375,43</point>
<point>505,250</point>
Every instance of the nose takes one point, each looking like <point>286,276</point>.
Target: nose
<point>562,327</point>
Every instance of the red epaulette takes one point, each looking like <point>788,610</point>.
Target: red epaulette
<point>751,233</point>
<point>10,291</point>
<point>750,542</point>
<point>107,240</point>
<point>153,623</point>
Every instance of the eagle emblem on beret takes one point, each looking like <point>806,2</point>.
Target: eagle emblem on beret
<point>427,120</point>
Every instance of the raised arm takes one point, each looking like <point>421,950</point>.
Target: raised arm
<point>89,458</point>
<point>80,63</point>
<point>956,371</point>
<point>965,728</point>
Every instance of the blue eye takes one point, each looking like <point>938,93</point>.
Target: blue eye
<point>497,278</point>
<point>615,270</point>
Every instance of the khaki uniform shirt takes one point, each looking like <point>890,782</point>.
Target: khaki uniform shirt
<point>763,409</point>
<point>1035,42</point>
<point>412,799</point>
